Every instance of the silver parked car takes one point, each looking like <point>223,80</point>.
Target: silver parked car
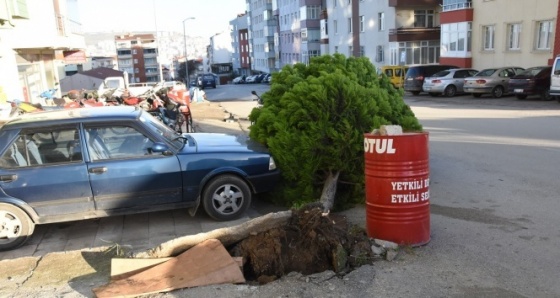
<point>447,82</point>
<point>493,81</point>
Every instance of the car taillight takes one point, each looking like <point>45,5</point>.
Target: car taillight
<point>481,81</point>
<point>436,81</point>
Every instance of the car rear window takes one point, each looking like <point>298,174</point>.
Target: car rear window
<point>486,72</point>
<point>442,73</point>
<point>533,71</point>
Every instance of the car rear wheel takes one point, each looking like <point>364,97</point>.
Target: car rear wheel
<point>521,96</point>
<point>450,91</point>
<point>226,197</point>
<point>15,227</point>
<point>498,91</point>
<point>545,95</point>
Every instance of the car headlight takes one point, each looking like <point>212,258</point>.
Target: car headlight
<point>271,164</point>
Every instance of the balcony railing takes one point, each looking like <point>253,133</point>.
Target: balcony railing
<point>414,34</point>
<point>457,6</point>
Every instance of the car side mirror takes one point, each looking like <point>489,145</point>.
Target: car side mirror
<point>161,148</point>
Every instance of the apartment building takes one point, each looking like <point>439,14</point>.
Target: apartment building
<point>220,56</point>
<point>137,55</point>
<point>37,39</point>
<point>240,58</point>
<point>262,28</point>
<point>513,32</point>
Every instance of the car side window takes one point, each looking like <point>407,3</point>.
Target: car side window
<point>389,73</point>
<point>41,147</point>
<point>116,142</point>
<point>460,74</point>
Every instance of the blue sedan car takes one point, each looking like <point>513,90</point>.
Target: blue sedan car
<point>86,163</point>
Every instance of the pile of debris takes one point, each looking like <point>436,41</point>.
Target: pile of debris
<point>261,250</point>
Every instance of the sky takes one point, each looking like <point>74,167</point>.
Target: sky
<point>210,16</point>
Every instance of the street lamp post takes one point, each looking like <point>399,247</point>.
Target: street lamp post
<point>186,59</point>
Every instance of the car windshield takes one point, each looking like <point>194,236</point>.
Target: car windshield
<point>161,129</point>
<point>442,73</point>
<point>486,72</point>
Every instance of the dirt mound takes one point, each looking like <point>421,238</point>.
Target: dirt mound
<point>311,242</point>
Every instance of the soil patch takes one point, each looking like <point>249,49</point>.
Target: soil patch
<point>312,242</point>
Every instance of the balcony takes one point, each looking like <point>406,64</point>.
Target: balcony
<point>414,34</point>
<point>414,3</point>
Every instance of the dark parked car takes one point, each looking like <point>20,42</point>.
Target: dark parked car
<point>206,80</point>
<point>76,164</point>
<point>532,81</point>
<point>415,75</point>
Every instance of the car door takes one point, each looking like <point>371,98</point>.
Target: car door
<point>124,173</point>
<point>37,168</point>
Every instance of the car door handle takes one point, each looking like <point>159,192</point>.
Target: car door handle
<point>100,170</point>
<point>8,178</point>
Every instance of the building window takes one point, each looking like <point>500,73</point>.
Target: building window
<point>379,54</point>
<point>349,25</point>
<point>488,35</point>
<point>362,51</point>
<point>336,49</point>
<point>313,12</point>
<point>514,36</point>
<point>361,23</point>
<point>381,21</point>
<point>544,35</point>
<point>350,51</point>
<point>423,18</point>
<point>335,25</point>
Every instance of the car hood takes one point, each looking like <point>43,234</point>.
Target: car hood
<point>218,142</point>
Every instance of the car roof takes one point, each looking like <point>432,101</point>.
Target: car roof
<point>63,116</point>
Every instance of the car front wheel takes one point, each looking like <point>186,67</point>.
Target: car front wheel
<point>15,227</point>
<point>450,91</point>
<point>226,197</point>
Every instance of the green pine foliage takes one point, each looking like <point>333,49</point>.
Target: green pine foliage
<point>313,121</point>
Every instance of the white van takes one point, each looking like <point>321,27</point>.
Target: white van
<point>555,78</point>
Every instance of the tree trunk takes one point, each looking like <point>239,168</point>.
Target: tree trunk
<point>227,236</point>
<point>329,191</point>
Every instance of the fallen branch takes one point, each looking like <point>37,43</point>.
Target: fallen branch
<point>227,236</point>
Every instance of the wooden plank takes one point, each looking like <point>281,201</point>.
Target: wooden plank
<point>122,268</point>
<point>205,264</point>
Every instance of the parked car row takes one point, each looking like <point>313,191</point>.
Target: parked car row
<point>450,80</point>
<point>253,79</point>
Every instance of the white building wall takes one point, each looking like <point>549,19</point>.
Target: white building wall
<point>376,34</point>
<point>339,38</point>
<point>221,48</point>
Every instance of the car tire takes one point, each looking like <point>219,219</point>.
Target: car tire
<point>498,92</point>
<point>450,91</point>
<point>226,197</point>
<point>545,95</point>
<point>521,96</point>
<point>15,227</point>
<point>477,95</point>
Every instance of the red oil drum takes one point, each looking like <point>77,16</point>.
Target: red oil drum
<point>397,188</point>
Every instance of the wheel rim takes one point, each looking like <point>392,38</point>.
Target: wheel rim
<point>498,92</point>
<point>450,91</point>
<point>10,227</point>
<point>227,199</point>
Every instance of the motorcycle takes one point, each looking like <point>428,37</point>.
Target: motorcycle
<point>167,111</point>
<point>257,98</point>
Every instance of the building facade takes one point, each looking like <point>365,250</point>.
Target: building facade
<point>37,39</point>
<point>137,55</point>
<point>240,57</point>
<point>262,29</point>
